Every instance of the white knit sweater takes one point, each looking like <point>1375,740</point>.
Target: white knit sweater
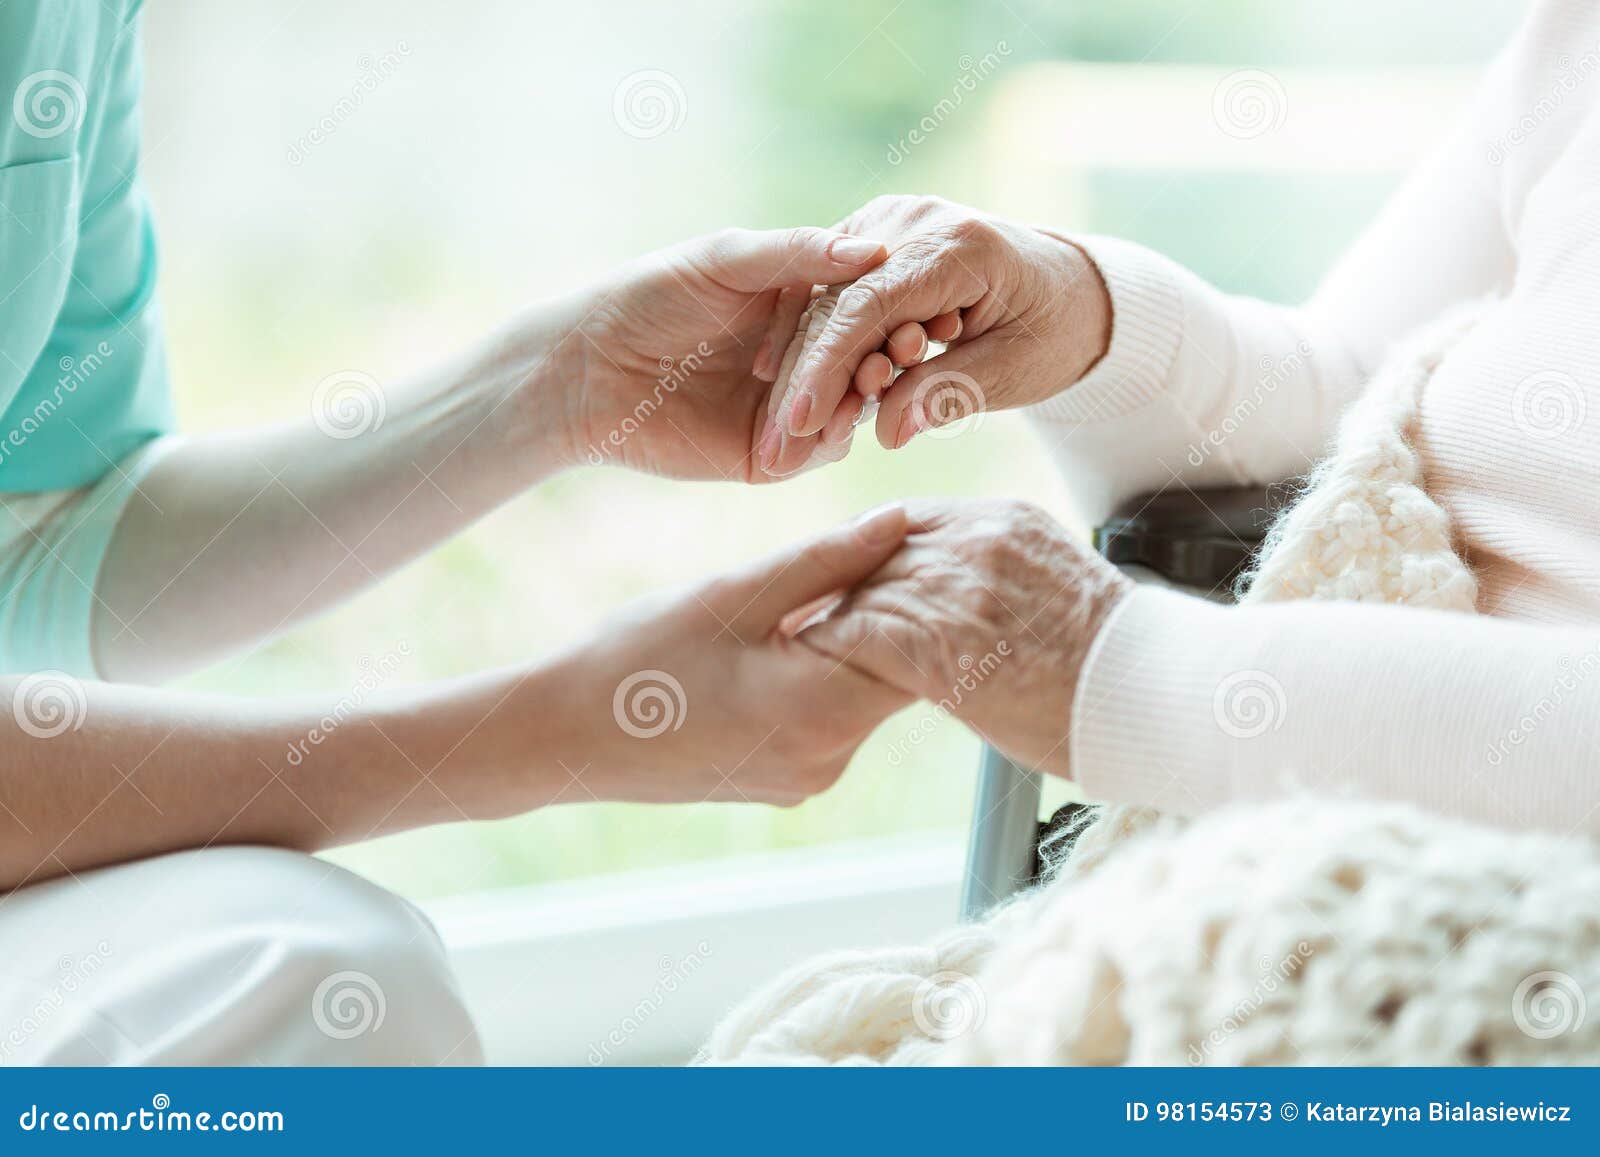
<point>1495,718</point>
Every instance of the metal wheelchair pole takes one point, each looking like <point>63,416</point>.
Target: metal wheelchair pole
<point>1198,542</point>
<point>1000,849</point>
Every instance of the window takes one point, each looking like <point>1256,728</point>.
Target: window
<point>368,189</point>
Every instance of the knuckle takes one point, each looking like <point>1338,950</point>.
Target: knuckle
<point>821,557</point>
<point>865,301</point>
<point>969,230</point>
<point>862,299</point>
<point>924,251</point>
<point>801,238</point>
<point>907,207</point>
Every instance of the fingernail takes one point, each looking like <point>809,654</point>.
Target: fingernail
<point>880,525</point>
<point>767,448</point>
<point>760,366</point>
<point>853,250</point>
<point>799,411</point>
<point>885,375</point>
<point>781,456</point>
<point>908,428</point>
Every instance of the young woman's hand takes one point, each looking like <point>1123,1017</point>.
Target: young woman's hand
<point>666,366</point>
<point>1023,312</point>
<point>699,696</point>
<point>990,607</point>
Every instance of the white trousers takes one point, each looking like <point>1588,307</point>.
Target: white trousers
<point>227,956</point>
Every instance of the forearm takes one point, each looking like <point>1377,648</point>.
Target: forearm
<point>300,518</point>
<point>1186,705</point>
<point>102,773</point>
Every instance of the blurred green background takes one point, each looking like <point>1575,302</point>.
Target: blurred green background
<point>475,160</point>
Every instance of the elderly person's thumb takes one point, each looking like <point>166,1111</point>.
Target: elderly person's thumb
<point>756,600</point>
<point>752,260</point>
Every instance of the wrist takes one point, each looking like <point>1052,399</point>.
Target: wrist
<point>1036,718</point>
<point>1103,591</point>
<point>1084,310</point>
<point>535,369</point>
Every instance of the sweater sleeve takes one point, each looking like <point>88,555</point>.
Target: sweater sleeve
<point>1207,388</point>
<point>1186,705</point>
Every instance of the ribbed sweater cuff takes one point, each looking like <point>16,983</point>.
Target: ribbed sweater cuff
<point>1146,329</point>
<point>1162,690</point>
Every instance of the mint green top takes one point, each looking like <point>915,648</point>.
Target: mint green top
<point>83,369</point>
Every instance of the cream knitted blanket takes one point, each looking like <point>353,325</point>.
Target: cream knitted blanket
<point>1311,931</point>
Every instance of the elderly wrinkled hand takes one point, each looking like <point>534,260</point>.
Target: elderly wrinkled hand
<point>1023,315</point>
<point>989,608</point>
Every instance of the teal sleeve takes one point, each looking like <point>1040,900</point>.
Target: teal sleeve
<point>51,548</point>
<point>83,365</point>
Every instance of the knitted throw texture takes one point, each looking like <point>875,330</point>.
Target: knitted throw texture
<point>1307,931</point>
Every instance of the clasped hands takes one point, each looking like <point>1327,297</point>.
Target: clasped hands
<point>729,357</point>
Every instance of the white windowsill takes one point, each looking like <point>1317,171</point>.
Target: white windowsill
<point>636,968</point>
